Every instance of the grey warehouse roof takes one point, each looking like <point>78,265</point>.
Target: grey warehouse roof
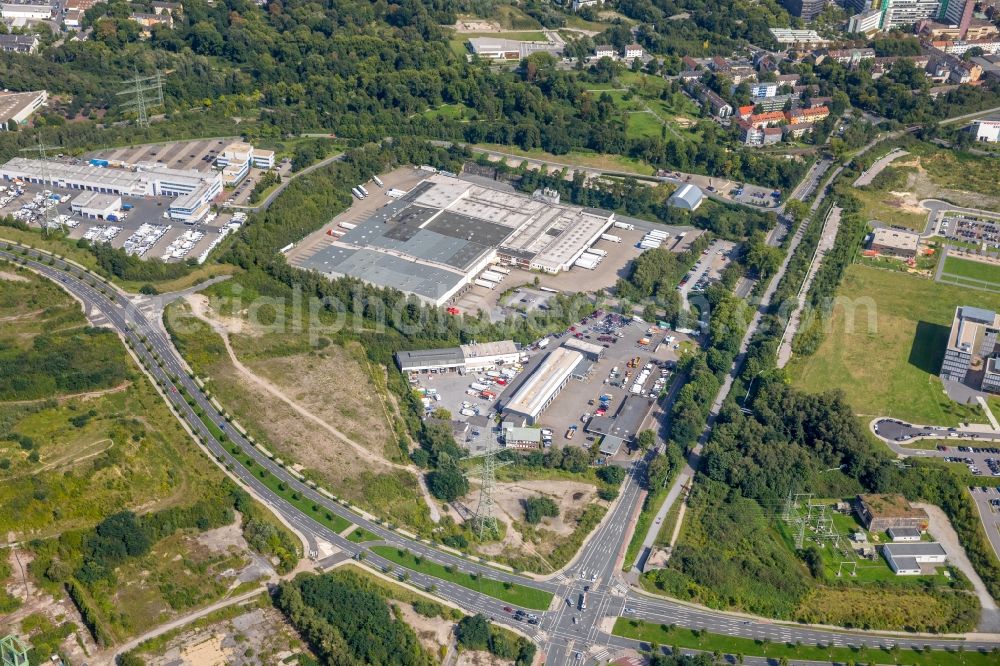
<point>384,270</point>
<point>915,549</point>
<point>450,356</point>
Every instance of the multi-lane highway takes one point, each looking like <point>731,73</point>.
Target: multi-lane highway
<point>565,632</point>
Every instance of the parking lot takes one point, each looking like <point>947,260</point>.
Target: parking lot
<point>141,231</point>
<point>631,350</point>
<point>198,155</point>
<point>707,270</point>
<point>971,228</point>
<point>987,499</point>
<point>616,264</point>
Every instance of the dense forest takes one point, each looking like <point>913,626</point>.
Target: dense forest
<point>345,623</point>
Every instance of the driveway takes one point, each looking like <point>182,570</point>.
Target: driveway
<point>942,530</point>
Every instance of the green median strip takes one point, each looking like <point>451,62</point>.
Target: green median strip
<point>360,535</point>
<point>314,510</point>
<point>513,593</point>
<point>663,635</point>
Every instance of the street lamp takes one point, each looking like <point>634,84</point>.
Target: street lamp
<point>750,385</point>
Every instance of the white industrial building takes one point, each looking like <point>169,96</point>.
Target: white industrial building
<point>471,358</point>
<point>904,534</point>
<point>987,129</point>
<point>687,197</point>
<point>194,190</point>
<point>96,206</point>
<point>542,386</point>
<point>19,13</point>
<point>237,158</point>
<point>443,233</point>
<point>17,107</point>
<point>906,558</point>
<point>497,48</point>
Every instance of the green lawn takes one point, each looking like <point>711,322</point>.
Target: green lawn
<point>973,271</point>
<point>888,208</point>
<point>685,638</point>
<point>360,535</point>
<point>643,125</point>
<point>886,360</point>
<point>578,158</point>
<point>520,595</point>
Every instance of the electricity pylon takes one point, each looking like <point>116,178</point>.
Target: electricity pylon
<point>50,215</point>
<point>13,651</point>
<point>139,88</point>
<point>484,522</point>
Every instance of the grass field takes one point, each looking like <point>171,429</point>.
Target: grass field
<point>651,506</point>
<point>890,209</point>
<point>708,642</point>
<point>890,368</point>
<point>308,376</point>
<point>578,158</point>
<point>513,593</point>
<point>972,272</point>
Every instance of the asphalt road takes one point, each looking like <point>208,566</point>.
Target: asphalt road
<point>558,636</point>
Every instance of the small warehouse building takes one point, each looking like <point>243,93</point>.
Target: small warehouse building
<point>906,559</point>
<point>541,387</point>
<point>96,206</point>
<point>687,197</point>
<point>518,437</point>
<point>626,422</point>
<point>471,357</point>
<point>880,512</point>
<point>588,349</point>
<point>903,534</point>
<point>895,243</point>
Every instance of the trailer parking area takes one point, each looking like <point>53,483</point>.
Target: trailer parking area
<point>142,230</point>
<point>199,154</point>
<point>403,178</point>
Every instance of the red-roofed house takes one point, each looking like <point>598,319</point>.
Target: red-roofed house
<point>813,115</point>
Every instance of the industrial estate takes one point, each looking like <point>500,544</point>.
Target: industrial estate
<point>504,333</point>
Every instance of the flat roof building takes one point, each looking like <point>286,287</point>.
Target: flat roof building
<point>793,37</point>
<point>496,48</point>
<point>95,205</point>
<point>880,512</point>
<point>895,243</point>
<point>906,558</point>
<point>445,231</point>
<point>472,357</point>
<point>987,129</point>
<point>17,107</point>
<point>588,349</point>
<point>972,345</point>
<point>903,534</point>
<point>194,190</point>
<point>542,386</point>
<point>626,422</point>
<point>687,197</point>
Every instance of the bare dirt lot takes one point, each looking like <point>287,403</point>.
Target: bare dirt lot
<point>572,497</point>
<point>335,387</point>
<point>79,645</point>
<point>349,463</point>
<point>259,636</point>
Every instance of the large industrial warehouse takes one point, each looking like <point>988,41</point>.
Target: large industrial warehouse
<point>194,190</point>
<point>445,231</point>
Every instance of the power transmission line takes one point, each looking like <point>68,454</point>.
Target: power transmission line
<point>50,215</point>
<point>484,522</point>
<point>145,92</point>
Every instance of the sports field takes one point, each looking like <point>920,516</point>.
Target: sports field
<point>969,273</point>
<point>884,346</point>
